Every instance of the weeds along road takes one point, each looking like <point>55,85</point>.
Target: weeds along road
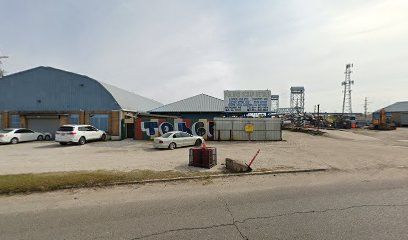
<point>330,205</point>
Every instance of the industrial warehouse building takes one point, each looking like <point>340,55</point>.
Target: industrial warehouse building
<point>194,115</point>
<point>399,113</point>
<point>44,98</point>
<point>199,106</point>
<point>199,114</point>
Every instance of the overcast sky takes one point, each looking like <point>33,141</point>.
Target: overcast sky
<point>170,50</point>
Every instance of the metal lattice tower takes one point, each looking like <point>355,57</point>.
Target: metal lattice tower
<point>1,69</point>
<point>297,99</point>
<point>347,107</point>
<point>274,103</point>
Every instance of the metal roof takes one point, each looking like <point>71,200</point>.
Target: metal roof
<point>131,101</point>
<point>43,89</point>
<point>397,107</point>
<point>198,103</point>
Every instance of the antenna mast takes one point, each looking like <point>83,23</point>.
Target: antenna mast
<point>347,107</point>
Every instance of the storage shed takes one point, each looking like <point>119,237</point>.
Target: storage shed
<point>399,113</point>
<point>43,98</point>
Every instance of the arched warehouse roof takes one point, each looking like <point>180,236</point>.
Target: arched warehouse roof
<point>51,89</point>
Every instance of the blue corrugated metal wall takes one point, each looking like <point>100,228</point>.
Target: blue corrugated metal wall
<point>50,89</point>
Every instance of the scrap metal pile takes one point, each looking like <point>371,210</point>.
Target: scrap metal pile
<point>324,121</point>
<point>306,120</point>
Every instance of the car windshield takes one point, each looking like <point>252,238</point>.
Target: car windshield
<point>6,130</point>
<point>66,129</point>
<point>166,135</point>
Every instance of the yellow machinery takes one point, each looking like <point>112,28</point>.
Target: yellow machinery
<point>382,121</point>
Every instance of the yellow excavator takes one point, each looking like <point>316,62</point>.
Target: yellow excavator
<point>382,121</point>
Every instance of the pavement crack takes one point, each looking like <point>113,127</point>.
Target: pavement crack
<point>322,211</point>
<point>234,222</point>
<point>183,229</point>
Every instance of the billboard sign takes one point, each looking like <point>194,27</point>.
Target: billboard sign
<point>247,101</point>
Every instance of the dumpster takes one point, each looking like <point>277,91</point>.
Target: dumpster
<point>205,157</point>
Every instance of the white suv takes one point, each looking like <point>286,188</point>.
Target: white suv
<point>78,134</point>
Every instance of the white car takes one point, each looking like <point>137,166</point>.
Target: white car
<point>172,140</point>
<point>78,134</point>
<point>16,135</point>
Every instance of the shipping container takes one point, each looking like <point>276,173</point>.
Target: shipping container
<point>233,129</point>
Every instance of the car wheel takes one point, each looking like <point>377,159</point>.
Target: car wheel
<point>172,146</point>
<point>40,138</point>
<point>63,143</point>
<point>14,141</point>
<point>47,138</point>
<point>82,141</point>
<point>103,137</point>
<point>198,142</point>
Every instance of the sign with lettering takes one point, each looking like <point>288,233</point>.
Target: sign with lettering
<point>247,101</point>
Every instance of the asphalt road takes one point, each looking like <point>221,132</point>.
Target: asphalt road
<point>373,205</point>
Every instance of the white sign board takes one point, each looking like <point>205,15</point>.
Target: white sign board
<point>247,101</point>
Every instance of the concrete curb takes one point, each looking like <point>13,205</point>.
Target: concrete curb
<point>220,175</point>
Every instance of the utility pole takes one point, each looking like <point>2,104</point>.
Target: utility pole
<point>347,107</point>
<point>318,116</point>
<point>365,108</point>
<point>1,69</point>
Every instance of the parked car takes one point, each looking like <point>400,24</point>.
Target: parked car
<point>78,134</point>
<point>16,135</point>
<point>172,140</point>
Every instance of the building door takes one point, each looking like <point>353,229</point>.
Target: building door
<point>404,119</point>
<point>130,130</point>
<point>48,124</point>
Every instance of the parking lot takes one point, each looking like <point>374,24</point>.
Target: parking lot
<point>344,150</point>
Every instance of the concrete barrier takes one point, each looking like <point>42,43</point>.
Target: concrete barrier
<point>235,166</point>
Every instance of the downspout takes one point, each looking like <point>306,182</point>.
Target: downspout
<point>120,124</point>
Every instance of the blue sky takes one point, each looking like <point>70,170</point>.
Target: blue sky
<point>170,50</point>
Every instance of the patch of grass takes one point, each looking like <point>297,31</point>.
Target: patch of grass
<point>41,182</point>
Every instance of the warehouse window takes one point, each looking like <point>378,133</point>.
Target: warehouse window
<point>74,119</point>
<point>100,121</point>
<point>14,121</point>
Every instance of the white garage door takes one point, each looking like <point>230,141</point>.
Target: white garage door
<point>44,124</point>
<point>404,119</point>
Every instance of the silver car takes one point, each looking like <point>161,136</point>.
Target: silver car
<point>172,140</point>
<point>16,135</point>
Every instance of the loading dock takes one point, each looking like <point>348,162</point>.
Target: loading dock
<point>43,124</point>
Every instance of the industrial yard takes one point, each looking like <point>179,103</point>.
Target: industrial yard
<point>346,150</point>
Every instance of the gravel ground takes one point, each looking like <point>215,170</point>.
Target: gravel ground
<point>344,150</point>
